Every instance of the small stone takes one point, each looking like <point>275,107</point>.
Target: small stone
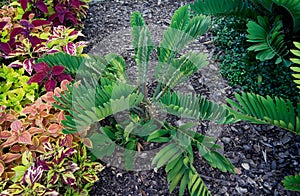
<point>246,166</point>
<point>226,140</point>
<point>241,190</point>
<point>238,171</point>
<point>286,140</point>
<point>246,127</point>
<point>234,129</point>
<point>223,190</point>
<point>267,185</point>
<point>246,147</point>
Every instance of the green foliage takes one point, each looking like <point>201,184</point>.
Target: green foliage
<point>15,93</point>
<point>242,70</point>
<point>293,8</point>
<point>195,107</point>
<point>237,8</point>
<point>132,116</point>
<point>296,68</point>
<point>269,32</point>
<point>292,182</point>
<point>269,42</point>
<point>261,110</point>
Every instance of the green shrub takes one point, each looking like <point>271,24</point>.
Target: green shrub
<point>109,93</point>
<point>240,68</point>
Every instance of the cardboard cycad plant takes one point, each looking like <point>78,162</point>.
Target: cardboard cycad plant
<point>121,114</point>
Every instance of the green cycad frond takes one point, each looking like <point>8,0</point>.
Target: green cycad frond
<point>142,44</point>
<point>178,158</point>
<point>258,109</point>
<point>180,69</point>
<point>117,65</point>
<point>181,32</point>
<point>191,106</point>
<point>89,103</point>
<point>269,38</point>
<point>237,8</point>
<point>296,68</point>
<point>292,182</point>
<point>293,7</point>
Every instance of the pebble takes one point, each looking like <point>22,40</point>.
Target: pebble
<point>246,166</point>
<point>226,140</point>
<point>241,190</point>
<point>234,129</point>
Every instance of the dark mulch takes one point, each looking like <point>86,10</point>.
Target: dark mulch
<point>262,154</point>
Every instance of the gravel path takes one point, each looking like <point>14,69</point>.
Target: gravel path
<point>262,155</point>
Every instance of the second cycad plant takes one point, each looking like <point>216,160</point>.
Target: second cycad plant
<point>122,116</point>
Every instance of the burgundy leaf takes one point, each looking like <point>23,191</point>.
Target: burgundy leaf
<point>41,67</point>
<point>68,178</point>
<point>16,31</point>
<point>5,48</point>
<point>64,76</point>
<point>25,23</point>
<point>57,70</point>
<point>40,22</point>
<point>2,25</point>
<point>75,3</point>
<point>61,17</point>
<point>52,17</point>
<point>42,6</point>
<point>52,51</point>
<point>70,48</point>
<point>23,4</point>
<point>50,85</point>
<point>73,33</point>
<point>54,179</point>
<point>35,40</point>
<point>38,78</point>
<point>28,64</point>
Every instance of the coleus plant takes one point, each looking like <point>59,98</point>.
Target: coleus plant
<point>15,92</point>
<point>33,148</point>
<point>52,75</point>
<point>59,12</point>
<point>23,40</point>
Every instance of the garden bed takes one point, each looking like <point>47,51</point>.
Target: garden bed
<point>262,155</point>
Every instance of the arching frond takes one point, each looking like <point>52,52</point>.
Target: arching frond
<point>117,65</point>
<point>269,39</point>
<point>180,69</point>
<point>89,103</point>
<point>143,46</point>
<point>296,66</point>
<point>178,158</point>
<point>237,8</point>
<point>181,32</point>
<point>293,7</point>
<point>191,106</point>
<point>258,109</point>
